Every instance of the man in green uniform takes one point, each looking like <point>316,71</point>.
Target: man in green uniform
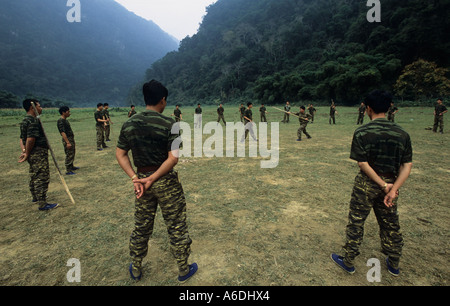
<point>198,116</point>
<point>304,120</point>
<point>108,122</point>
<point>333,112</point>
<point>248,122</point>
<point>177,114</point>
<point>100,127</point>
<point>312,112</point>
<point>391,112</point>
<point>68,139</point>
<point>439,112</point>
<point>242,111</point>
<point>287,109</point>
<point>384,154</point>
<point>361,113</point>
<point>132,112</point>
<point>220,111</point>
<point>35,150</point>
<point>263,112</point>
<point>155,154</point>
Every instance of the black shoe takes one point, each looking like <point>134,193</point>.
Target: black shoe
<point>75,168</point>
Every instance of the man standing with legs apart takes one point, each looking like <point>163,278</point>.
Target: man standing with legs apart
<point>439,112</point>
<point>384,154</point>
<point>148,136</point>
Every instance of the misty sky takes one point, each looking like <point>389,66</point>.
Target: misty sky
<point>179,18</point>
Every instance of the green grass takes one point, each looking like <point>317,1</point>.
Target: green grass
<point>249,226</point>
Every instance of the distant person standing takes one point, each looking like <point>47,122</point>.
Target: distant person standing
<point>68,139</point>
<point>391,112</point>
<point>177,114</point>
<point>439,112</point>
<point>132,112</point>
<point>220,112</point>
<point>263,112</point>
<point>242,111</point>
<point>35,150</point>
<point>361,113</point>
<point>100,127</point>
<point>248,117</point>
<point>108,122</point>
<point>333,112</point>
<point>287,109</point>
<point>312,111</point>
<point>156,183</point>
<point>198,116</point>
<point>383,152</point>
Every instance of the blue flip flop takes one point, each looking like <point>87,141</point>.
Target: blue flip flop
<point>136,278</point>
<point>192,270</point>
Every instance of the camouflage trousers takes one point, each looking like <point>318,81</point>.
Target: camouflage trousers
<point>221,117</point>
<point>360,119</point>
<point>367,195</point>
<point>168,193</point>
<point>100,136</point>
<point>332,118</point>
<point>391,117</point>
<point>438,122</point>
<point>263,117</point>
<point>302,130</point>
<point>39,175</point>
<point>70,153</point>
<point>107,132</point>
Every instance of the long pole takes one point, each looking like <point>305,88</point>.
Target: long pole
<point>281,110</point>
<point>53,155</point>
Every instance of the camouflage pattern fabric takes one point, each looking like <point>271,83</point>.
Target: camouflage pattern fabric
<point>100,136</point>
<point>383,144</point>
<point>262,111</point>
<point>70,153</point>
<point>361,112</point>
<point>168,193</point>
<point>31,128</point>
<point>304,120</point>
<point>107,126</point>
<point>439,119</point>
<point>312,112</point>
<point>241,112</point>
<point>177,113</point>
<point>287,108</point>
<point>39,175</point>
<point>367,195</point>
<point>220,112</point>
<point>391,111</point>
<point>149,137</point>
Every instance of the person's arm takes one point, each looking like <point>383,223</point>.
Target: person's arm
<point>165,168</point>
<point>28,148</point>
<point>124,162</point>
<point>64,136</point>
<point>368,170</point>
<point>405,171</point>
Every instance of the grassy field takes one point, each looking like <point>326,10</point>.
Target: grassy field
<point>249,226</point>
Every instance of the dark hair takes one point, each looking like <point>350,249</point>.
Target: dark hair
<point>379,101</point>
<point>100,104</point>
<point>154,91</point>
<point>249,103</point>
<point>27,104</point>
<point>106,104</point>
<point>132,106</point>
<point>302,107</point>
<point>63,109</point>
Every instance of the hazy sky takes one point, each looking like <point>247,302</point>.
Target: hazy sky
<point>179,18</point>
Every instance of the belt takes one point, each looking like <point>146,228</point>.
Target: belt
<point>148,169</point>
<point>388,175</point>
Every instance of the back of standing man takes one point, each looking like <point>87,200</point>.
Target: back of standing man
<point>155,153</point>
<point>68,139</point>
<point>439,112</point>
<point>383,152</point>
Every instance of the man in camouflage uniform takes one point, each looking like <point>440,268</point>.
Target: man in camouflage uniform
<point>220,111</point>
<point>312,111</point>
<point>198,116</point>
<point>391,112</point>
<point>68,139</point>
<point>333,112</point>
<point>263,112</point>
<point>155,154</point>
<point>242,111</point>
<point>177,114</point>
<point>248,122</point>
<point>108,122</point>
<point>100,127</point>
<point>361,113</point>
<point>384,154</point>
<point>132,112</point>
<point>439,112</point>
<point>304,120</point>
<point>35,150</point>
<point>287,109</point>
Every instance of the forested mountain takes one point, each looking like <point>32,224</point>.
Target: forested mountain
<point>96,60</point>
<point>279,50</point>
